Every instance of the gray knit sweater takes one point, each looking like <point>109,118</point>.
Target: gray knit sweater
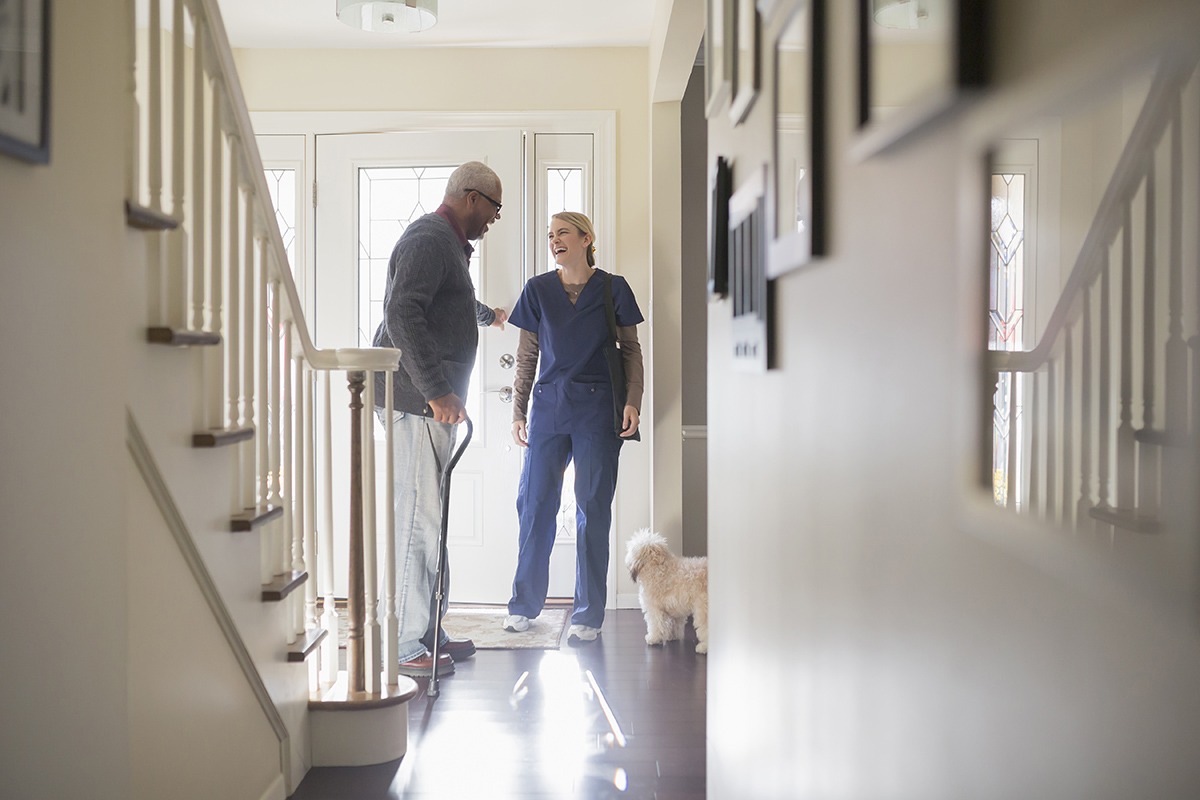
<point>430,313</point>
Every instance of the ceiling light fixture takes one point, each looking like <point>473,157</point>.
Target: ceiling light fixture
<point>388,16</point>
<point>908,14</point>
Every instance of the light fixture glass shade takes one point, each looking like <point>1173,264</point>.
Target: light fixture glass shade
<point>908,14</point>
<point>386,16</point>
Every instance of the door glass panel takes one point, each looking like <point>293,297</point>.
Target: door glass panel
<point>281,185</point>
<point>1006,318</point>
<point>390,198</point>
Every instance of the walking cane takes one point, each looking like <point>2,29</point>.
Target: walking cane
<point>439,583</point>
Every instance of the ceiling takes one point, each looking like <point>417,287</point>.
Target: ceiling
<point>469,23</point>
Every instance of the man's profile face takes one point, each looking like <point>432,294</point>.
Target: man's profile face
<point>483,213</point>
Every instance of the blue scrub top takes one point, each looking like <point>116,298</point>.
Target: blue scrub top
<point>573,393</point>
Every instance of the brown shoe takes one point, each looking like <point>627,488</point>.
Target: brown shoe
<point>457,649</point>
<point>422,666</point>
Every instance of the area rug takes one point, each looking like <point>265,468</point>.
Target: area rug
<point>481,624</point>
<point>483,627</point>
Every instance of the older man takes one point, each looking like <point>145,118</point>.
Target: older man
<point>432,315</point>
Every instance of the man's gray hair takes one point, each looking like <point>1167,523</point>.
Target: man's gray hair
<point>473,175</point>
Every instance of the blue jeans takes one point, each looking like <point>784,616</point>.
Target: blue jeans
<point>418,504</point>
<point>538,496</point>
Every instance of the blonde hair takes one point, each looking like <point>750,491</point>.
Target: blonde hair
<point>584,226</point>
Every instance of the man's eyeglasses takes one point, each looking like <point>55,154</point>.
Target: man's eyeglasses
<point>490,200</point>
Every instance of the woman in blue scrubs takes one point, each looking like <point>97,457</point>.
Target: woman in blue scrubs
<point>564,327</point>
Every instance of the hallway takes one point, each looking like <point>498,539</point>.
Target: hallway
<point>550,738</point>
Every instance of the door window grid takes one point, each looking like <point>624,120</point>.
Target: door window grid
<point>391,198</point>
<point>1006,318</point>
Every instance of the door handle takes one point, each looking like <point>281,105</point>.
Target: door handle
<point>505,393</point>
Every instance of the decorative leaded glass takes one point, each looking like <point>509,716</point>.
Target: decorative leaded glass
<point>281,185</point>
<point>1006,315</point>
<point>390,198</point>
<point>564,191</point>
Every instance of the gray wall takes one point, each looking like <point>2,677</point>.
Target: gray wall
<point>693,154</point>
<point>876,631</point>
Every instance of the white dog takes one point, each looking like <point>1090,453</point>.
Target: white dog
<point>670,589</point>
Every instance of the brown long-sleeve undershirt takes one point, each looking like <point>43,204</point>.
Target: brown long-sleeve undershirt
<point>527,359</point>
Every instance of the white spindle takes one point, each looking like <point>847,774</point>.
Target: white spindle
<point>1052,429</point>
<point>233,342</point>
<point>1104,494</point>
<point>276,423</point>
<point>1068,428</point>
<point>1084,504</point>
<point>1147,468</point>
<point>310,503</point>
<point>329,649</point>
<point>295,464</point>
<point>1035,445</point>
<point>262,343</point>
<point>247,449</point>
<point>284,416</point>
<point>155,106</point>
<point>197,282</point>
<point>1175,372</point>
<point>391,648</point>
<point>370,539</point>
<point>174,309</point>
<point>1126,457</point>
<point>216,383</point>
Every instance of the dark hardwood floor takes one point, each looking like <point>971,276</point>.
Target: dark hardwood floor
<point>483,739</point>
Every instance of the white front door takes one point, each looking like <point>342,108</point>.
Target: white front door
<point>369,187</point>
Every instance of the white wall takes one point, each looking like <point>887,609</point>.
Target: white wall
<point>64,729</point>
<point>867,640</point>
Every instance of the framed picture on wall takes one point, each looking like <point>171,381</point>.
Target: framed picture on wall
<point>25,79</point>
<point>721,184</point>
<point>918,60</point>
<point>718,54</point>
<point>746,76</point>
<point>796,218</point>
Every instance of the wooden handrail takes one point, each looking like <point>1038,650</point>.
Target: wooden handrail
<point>1127,175</point>
<point>377,359</point>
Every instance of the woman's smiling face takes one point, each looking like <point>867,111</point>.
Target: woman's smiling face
<point>567,244</point>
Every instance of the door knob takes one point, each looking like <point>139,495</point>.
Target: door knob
<point>507,361</point>
<point>506,394</point>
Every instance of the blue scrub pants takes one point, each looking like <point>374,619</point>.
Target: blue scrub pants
<point>538,498</point>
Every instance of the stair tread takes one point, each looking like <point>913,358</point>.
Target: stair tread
<point>1165,438</point>
<point>283,585</point>
<point>306,644</point>
<point>182,337</point>
<point>220,437</point>
<point>252,518</point>
<point>337,697</point>
<point>1127,518</point>
<point>148,219</point>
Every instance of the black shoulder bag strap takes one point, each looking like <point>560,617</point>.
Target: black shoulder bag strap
<point>616,363</point>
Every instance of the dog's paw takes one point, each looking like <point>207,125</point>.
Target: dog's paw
<point>702,647</point>
<point>652,639</point>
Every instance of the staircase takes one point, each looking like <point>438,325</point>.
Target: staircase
<point>1110,395</point>
<point>230,358</point>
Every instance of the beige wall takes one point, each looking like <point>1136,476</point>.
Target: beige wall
<point>868,640</point>
<point>64,728</point>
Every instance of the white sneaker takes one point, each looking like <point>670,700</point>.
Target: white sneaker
<point>583,632</point>
<point>516,623</point>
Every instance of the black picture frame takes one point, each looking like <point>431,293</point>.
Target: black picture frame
<point>799,175</point>
<point>25,80</point>
<point>746,70</point>
<point>964,48</point>
<point>718,230</point>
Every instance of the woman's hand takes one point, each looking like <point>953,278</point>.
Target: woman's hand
<point>520,434</point>
<point>632,419</point>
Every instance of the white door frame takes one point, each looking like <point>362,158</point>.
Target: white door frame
<point>601,124</point>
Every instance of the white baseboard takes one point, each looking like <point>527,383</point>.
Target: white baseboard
<point>277,790</point>
<point>627,600</point>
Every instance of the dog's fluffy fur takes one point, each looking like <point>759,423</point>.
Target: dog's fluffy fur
<point>670,589</point>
